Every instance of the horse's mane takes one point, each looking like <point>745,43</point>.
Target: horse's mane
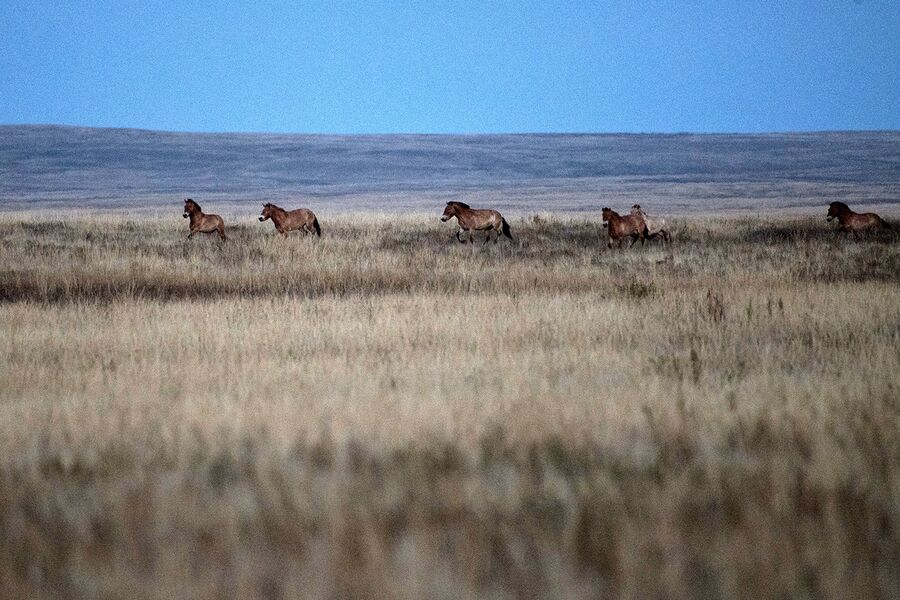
<point>840,205</point>
<point>611,211</point>
<point>270,205</point>
<point>459,204</point>
<point>190,201</point>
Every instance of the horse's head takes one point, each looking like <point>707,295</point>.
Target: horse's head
<point>836,209</point>
<point>607,213</point>
<point>266,211</point>
<point>190,207</point>
<point>637,210</point>
<point>449,211</point>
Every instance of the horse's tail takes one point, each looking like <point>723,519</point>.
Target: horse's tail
<point>316,227</point>
<point>504,228</point>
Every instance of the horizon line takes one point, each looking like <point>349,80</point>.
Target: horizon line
<point>459,134</point>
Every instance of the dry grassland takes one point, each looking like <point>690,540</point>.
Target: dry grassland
<point>387,413</point>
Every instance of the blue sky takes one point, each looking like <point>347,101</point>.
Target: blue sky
<point>367,67</point>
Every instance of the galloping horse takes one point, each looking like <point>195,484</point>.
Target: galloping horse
<point>474,219</point>
<point>301,219</point>
<point>620,227</point>
<point>853,222</point>
<point>202,223</point>
<point>656,226</point>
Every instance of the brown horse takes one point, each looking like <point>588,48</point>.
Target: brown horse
<point>656,226</point>
<point>476,219</point>
<point>853,222</point>
<point>202,223</point>
<point>301,219</point>
<point>620,227</point>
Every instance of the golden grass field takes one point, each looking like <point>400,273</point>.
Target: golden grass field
<point>385,413</point>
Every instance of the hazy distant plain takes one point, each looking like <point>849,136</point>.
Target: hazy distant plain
<point>46,167</point>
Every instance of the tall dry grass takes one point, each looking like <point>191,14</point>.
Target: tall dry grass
<point>387,413</point>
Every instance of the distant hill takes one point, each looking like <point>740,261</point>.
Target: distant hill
<point>45,166</point>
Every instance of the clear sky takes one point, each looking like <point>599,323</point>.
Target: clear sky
<point>367,67</point>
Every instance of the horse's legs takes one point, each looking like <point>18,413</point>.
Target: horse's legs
<point>459,239</point>
<point>472,236</point>
<point>221,230</point>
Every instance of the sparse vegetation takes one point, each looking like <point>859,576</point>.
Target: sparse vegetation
<point>384,412</point>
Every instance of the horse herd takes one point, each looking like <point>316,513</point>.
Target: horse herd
<point>636,225</point>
